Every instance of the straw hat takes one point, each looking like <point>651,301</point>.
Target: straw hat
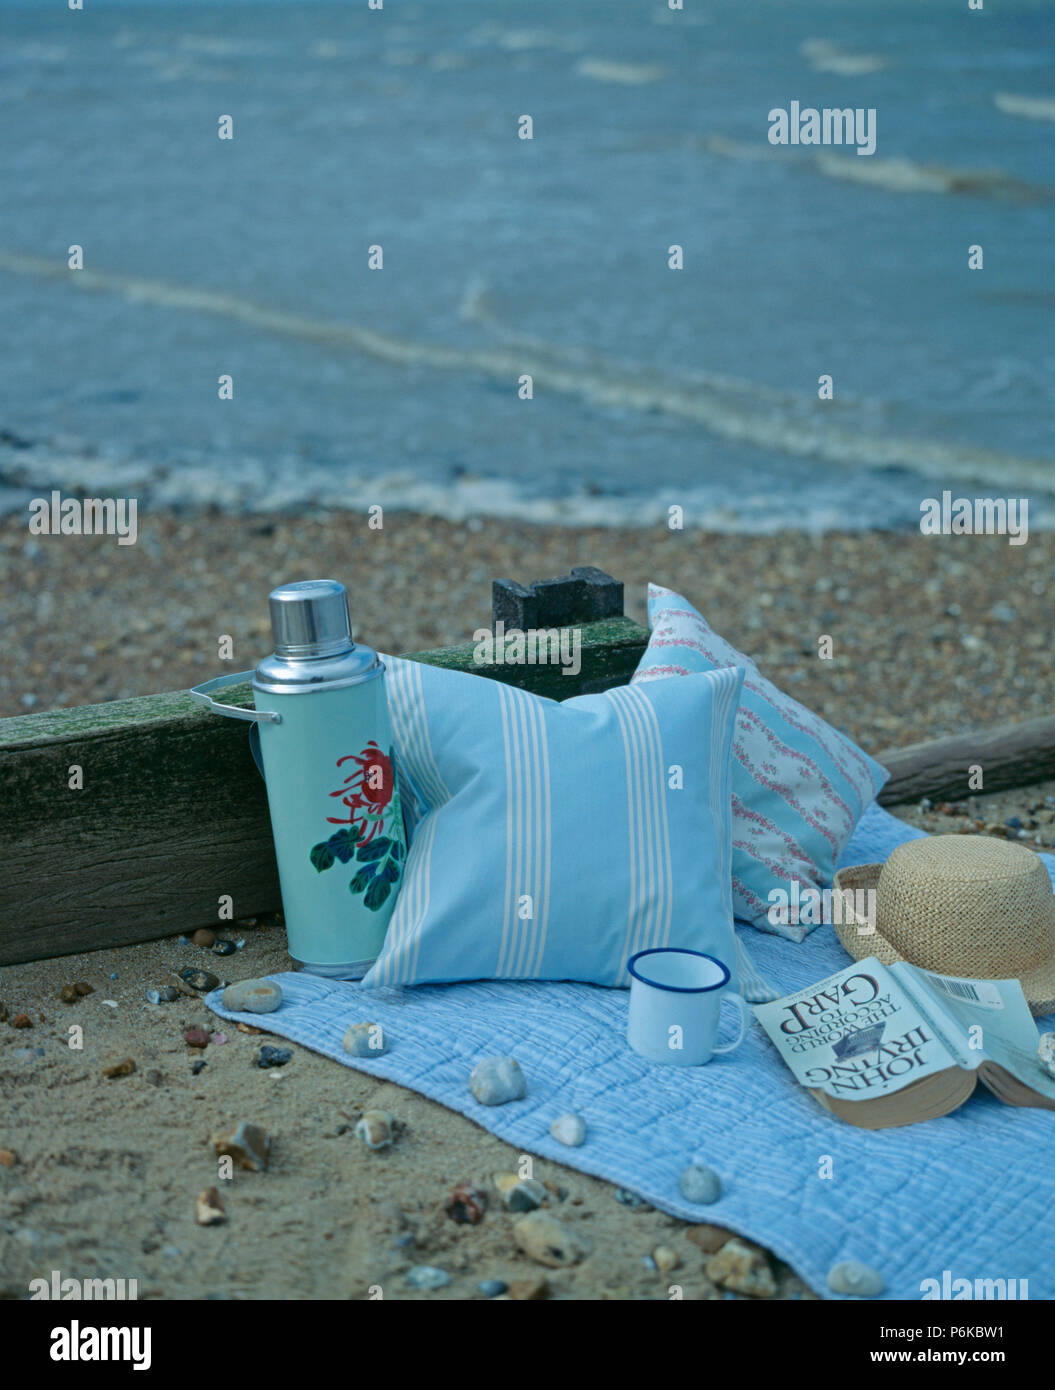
<point>959,905</point>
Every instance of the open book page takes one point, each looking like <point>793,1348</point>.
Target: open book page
<point>997,1009</point>
<point>856,1035</point>
<point>932,1001</point>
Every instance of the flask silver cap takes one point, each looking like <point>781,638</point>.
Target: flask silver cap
<point>310,618</point>
<point>313,641</point>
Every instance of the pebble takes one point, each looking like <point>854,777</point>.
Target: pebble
<point>665,1259</point>
<point>548,1241</point>
<point>209,1208</point>
<point>252,997</point>
<point>427,1277</point>
<point>466,1204</point>
<point>218,1039</point>
<point>27,1054</point>
<point>224,948</point>
<point>274,1056</point>
<point>569,1129</point>
<point>626,1198</point>
<point>110,1003</point>
<point>497,1080</point>
<point>125,1068</point>
<point>8,1160</point>
<point>700,1185</point>
<point>184,941</point>
<point>153,996</point>
<point>203,937</point>
<point>743,1269</point>
<point>375,1129</point>
<point>710,1239</point>
<point>365,1040</point>
<point>529,1290</point>
<point>21,1021</point>
<point>249,1145</point>
<point>196,1037</point>
<point>198,1067</point>
<point>520,1194</point>
<point>491,1288</point>
<point>68,994</point>
<point>853,1277</point>
<point>1003,613</point>
<point>201,980</point>
<point>167,994</point>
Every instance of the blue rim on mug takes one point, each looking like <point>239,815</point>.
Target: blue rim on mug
<point>678,951</point>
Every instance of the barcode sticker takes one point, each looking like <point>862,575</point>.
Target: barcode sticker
<point>980,992</point>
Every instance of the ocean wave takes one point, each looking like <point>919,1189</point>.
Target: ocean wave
<point>629,74</point>
<point>740,411</point>
<point>894,175</point>
<point>1033,108</point>
<point>825,56</point>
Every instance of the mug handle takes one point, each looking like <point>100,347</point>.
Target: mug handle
<point>738,1001</point>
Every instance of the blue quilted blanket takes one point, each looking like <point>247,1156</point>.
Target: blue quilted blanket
<point>972,1193</point>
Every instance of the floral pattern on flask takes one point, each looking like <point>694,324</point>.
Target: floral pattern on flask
<point>372,834</point>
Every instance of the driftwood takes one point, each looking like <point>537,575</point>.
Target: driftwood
<point>173,814</point>
<point>1009,756</point>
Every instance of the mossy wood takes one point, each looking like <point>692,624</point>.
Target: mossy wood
<point>173,813</point>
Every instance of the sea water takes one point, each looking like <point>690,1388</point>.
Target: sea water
<point>548,258</point>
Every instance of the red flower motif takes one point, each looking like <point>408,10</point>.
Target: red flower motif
<point>367,791</point>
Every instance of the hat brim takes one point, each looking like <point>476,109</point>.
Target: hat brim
<point>857,936</point>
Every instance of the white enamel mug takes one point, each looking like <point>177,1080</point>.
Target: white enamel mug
<point>675,1003</point>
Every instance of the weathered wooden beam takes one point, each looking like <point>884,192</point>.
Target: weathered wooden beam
<point>587,594</point>
<point>172,813</point>
<point>1009,755</point>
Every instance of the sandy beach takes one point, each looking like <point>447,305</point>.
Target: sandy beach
<point>931,637</point>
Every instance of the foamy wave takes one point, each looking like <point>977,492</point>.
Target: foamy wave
<point>742,411</point>
<point>250,486</point>
<point>629,74</point>
<point>825,56</point>
<point>1034,108</point>
<point>894,175</point>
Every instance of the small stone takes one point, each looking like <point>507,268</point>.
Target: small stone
<point>529,1290</point>
<point>83,987</point>
<point>274,1056</point>
<point>218,1039</point>
<point>466,1204</point>
<point>365,1040</point>
<point>427,1277</point>
<point>21,1021</point>
<point>125,1068</point>
<point>248,1028</point>
<point>153,996</point>
<point>548,1241</point>
<point>626,1198</point>
<point>198,1067</point>
<point>208,1208</point>
<point>710,1239</point>
<point>27,1054</point>
<point>1013,822</point>
<point>201,980</point>
<point>491,1288</point>
<point>569,1129</point>
<point>203,937</point>
<point>8,1160</point>
<point>252,997</point>
<point>196,1037</point>
<point>665,1259</point>
<point>520,1194</point>
<point>1003,613</point>
<point>167,994</point>
<point>68,994</point>
<point>700,1185</point>
<point>497,1080</point>
<point>853,1277</point>
<point>742,1269</point>
<point>247,1144</point>
<point>375,1129</point>
<point>224,948</point>
<point>110,1003</point>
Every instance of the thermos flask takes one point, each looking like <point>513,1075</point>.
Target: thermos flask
<point>323,740</point>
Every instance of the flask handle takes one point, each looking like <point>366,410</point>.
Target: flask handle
<point>202,693</point>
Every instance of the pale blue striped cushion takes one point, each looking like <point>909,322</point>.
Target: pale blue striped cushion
<point>546,841</point>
